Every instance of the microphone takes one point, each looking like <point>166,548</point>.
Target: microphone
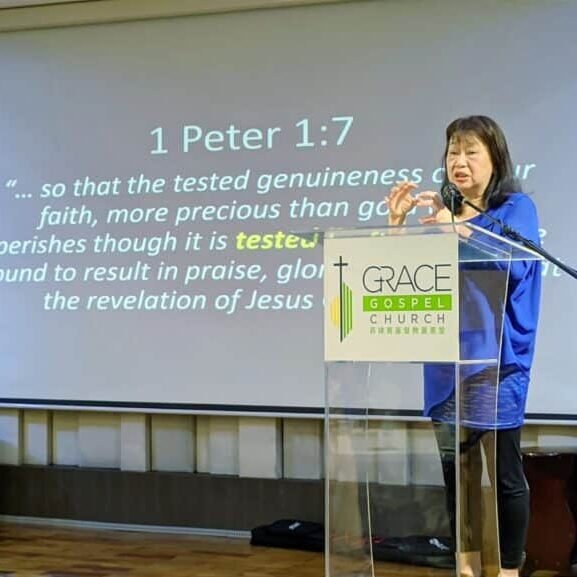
<point>452,197</point>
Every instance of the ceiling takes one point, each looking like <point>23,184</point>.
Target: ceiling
<point>22,3</point>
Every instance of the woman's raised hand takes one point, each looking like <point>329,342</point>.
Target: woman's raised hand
<point>431,199</point>
<point>401,201</point>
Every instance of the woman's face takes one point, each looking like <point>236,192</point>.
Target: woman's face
<point>469,165</point>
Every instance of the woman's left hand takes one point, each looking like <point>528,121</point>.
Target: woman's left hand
<point>444,216</point>
<point>441,216</point>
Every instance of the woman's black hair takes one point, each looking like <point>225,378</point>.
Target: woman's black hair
<point>503,181</point>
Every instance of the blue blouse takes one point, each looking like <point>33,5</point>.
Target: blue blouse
<point>482,403</point>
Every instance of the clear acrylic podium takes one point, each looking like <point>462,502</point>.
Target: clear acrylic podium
<point>405,307</point>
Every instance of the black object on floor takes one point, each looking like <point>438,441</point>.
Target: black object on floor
<point>422,550</point>
<point>290,534</point>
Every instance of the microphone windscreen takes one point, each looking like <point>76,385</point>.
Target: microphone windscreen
<point>452,197</point>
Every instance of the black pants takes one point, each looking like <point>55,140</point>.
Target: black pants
<point>510,485</point>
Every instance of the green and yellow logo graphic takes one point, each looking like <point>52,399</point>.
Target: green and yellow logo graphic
<point>341,307</point>
<point>341,310</point>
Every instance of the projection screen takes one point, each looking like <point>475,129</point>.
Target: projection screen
<point>152,173</point>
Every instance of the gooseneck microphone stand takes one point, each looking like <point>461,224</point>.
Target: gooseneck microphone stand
<point>455,198</point>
